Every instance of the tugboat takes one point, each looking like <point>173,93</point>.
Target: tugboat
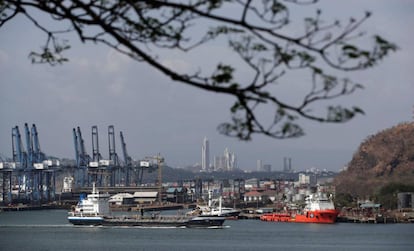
<point>318,209</point>
<point>94,210</point>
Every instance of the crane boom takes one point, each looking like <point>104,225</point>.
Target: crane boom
<point>84,157</point>
<point>38,155</point>
<point>113,156</point>
<point>29,146</point>
<point>96,156</point>
<point>127,158</point>
<point>19,155</point>
<point>76,144</point>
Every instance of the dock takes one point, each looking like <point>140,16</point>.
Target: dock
<point>24,207</point>
<point>365,219</point>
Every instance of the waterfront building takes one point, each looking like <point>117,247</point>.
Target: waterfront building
<point>405,200</point>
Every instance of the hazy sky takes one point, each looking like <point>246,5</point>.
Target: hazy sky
<point>100,87</point>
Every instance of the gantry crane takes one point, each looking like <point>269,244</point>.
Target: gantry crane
<point>19,155</point>
<point>82,158</point>
<point>20,160</point>
<point>30,171</point>
<point>45,174</point>
<point>134,170</point>
<point>16,167</point>
<point>39,176</point>
<point>116,179</point>
<point>127,161</point>
<point>99,167</point>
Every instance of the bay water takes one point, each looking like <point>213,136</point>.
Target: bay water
<point>49,230</point>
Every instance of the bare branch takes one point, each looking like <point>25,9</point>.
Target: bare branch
<point>257,34</point>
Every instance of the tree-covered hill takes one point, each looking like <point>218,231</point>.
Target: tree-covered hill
<point>384,158</point>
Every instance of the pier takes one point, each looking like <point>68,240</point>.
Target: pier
<point>364,219</point>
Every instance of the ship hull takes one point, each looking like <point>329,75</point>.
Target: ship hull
<point>86,220</point>
<point>157,221</point>
<point>320,216</point>
<point>206,221</point>
<point>327,216</point>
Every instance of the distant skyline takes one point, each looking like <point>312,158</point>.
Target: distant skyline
<point>156,115</point>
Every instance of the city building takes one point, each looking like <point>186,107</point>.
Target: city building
<point>287,165</point>
<point>230,160</point>
<point>227,162</point>
<point>219,163</point>
<point>205,155</point>
<point>259,165</point>
<point>267,168</point>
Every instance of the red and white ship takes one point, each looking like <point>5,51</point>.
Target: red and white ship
<point>319,209</point>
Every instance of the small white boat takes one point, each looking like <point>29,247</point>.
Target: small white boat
<point>213,210</point>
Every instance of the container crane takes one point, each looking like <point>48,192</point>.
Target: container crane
<point>100,167</point>
<point>82,157</point>
<point>30,169</point>
<point>76,144</point>
<point>19,155</point>
<point>44,174</point>
<point>111,143</point>
<point>29,147</point>
<point>31,178</point>
<point>127,160</point>
<point>38,155</point>
<point>96,156</point>
<point>113,157</point>
<point>20,161</point>
<point>94,163</point>
<point>19,158</point>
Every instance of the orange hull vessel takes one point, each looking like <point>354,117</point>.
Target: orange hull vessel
<point>320,216</point>
<point>318,209</point>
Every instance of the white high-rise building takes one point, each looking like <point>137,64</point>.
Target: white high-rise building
<point>259,165</point>
<point>205,155</point>
<point>231,161</point>
<point>219,163</point>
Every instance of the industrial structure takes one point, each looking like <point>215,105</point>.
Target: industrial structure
<point>30,176</point>
<point>110,172</point>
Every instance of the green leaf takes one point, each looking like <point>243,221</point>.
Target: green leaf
<point>349,47</point>
<point>224,74</point>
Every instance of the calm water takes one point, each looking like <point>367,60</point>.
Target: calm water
<point>49,230</point>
